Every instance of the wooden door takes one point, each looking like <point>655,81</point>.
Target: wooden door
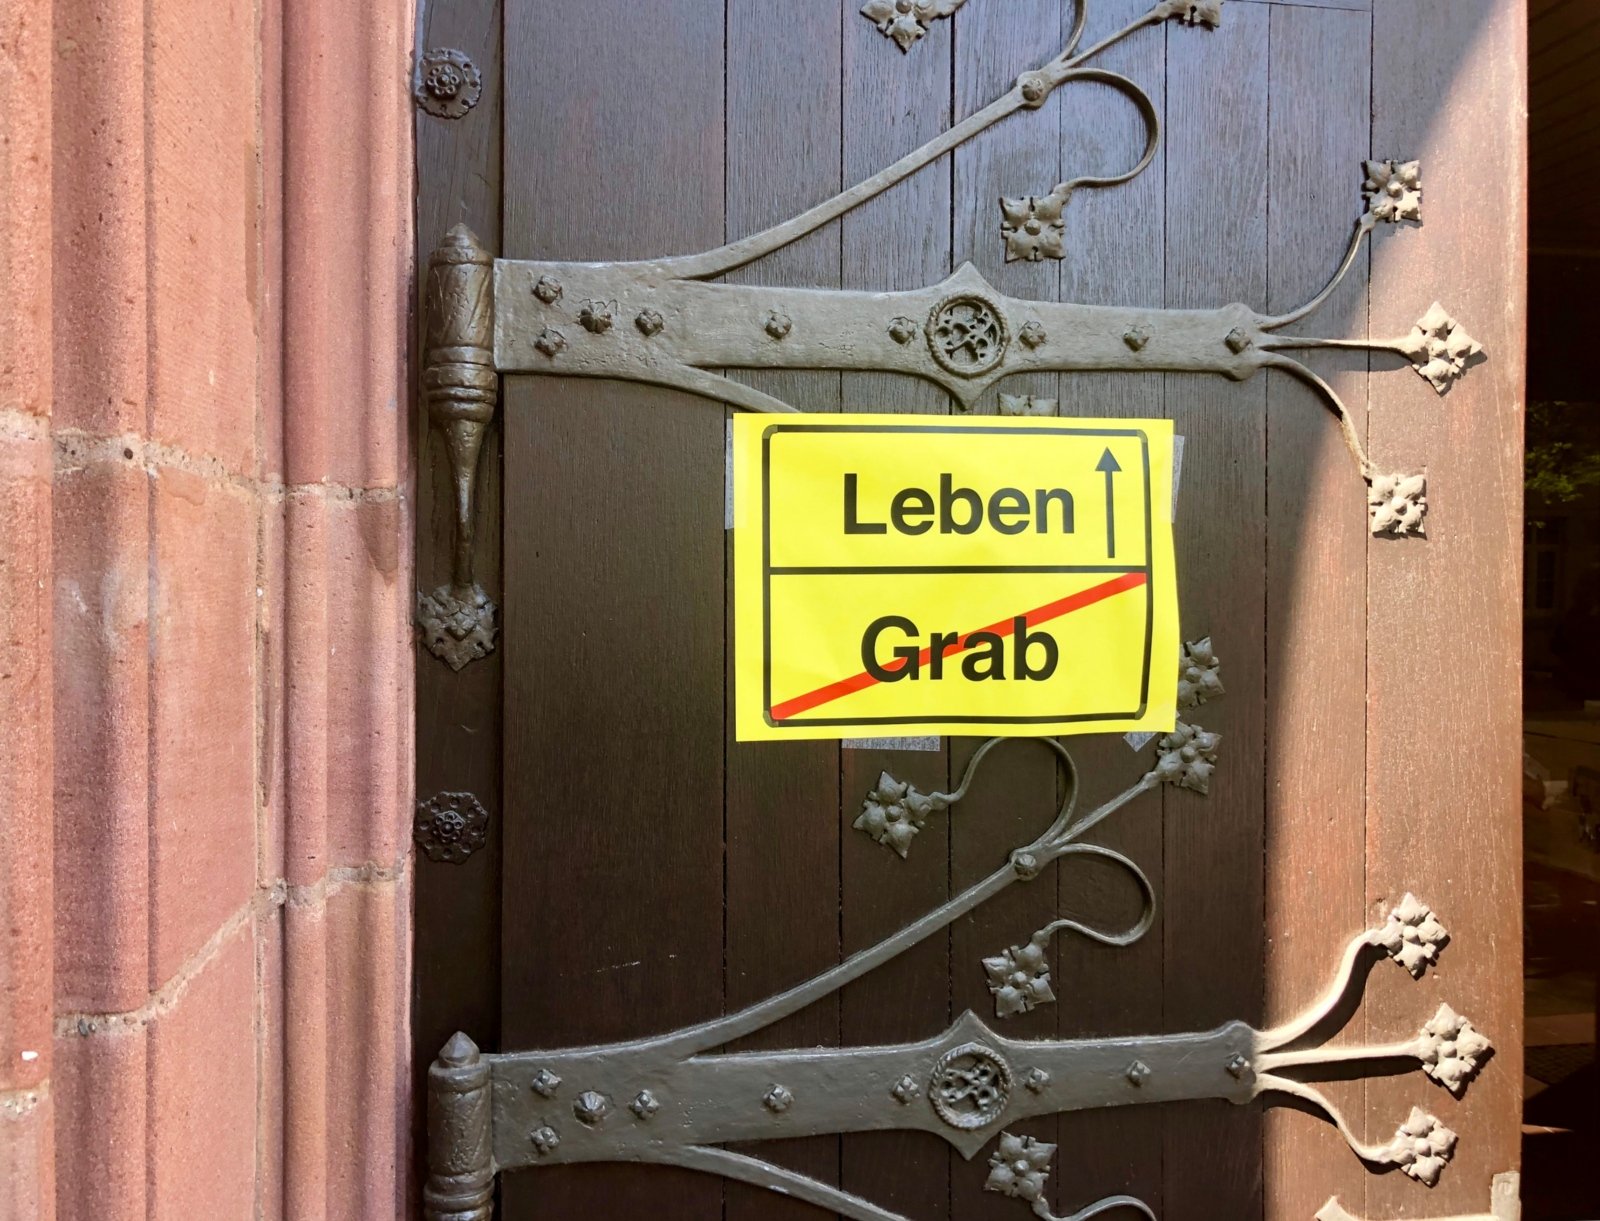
<point>644,871</point>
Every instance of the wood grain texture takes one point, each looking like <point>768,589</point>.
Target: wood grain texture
<point>893,103</point>
<point>1216,252</point>
<point>1443,806</point>
<point>1014,797</point>
<point>656,872</point>
<point>1115,255</point>
<point>613,636</point>
<point>782,861</point>
<point>456,950</point>
<point>1316,577</point>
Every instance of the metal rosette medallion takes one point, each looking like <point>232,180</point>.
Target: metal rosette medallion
<point>970,1086</point>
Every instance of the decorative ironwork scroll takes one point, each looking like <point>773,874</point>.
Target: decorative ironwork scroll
<point>673,1098</point>
<point>962,334</point>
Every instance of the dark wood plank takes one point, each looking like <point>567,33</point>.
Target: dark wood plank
<point>1216,252</point>
<point>782,833</point>
<point>1014,796</point>
<point>1444,807</point>
<point>892,104</point>
<point>1114,257</point>
<point>1316,575</point>
<point>456,951</point>
<point>613,637</point>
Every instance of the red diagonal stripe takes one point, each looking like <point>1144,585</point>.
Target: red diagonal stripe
<point>1040,614</point>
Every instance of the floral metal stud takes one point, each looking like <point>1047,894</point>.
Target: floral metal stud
<point>547,290</point>
<point>1393,190</point>
<point>458,626</point>
<point>1020,1167</point>
<point>448,84</point>
<point>906,1090</point>
<point>1037,1080</point>
<point>1238,1065</point>
<point>777,1099</point>
<point>450,827</point>
<point>1137,1072</point>
<point>545,1139</point>
<point>591,1107</point>
<point>902,330</point>
<point>550,342</point>
<point>1200,12</point>
<point>1019,977</point>
<point>1033,227</point>
<point>644,1104</point>
<point>906,21</point>
<point>1026,404</point>
<point>1397,503</point>
<point>894,812</point>
<point>1199,674</point>
<point>1186,757</point>
<point>1439,348</point>
<point>546,1083</point>
<point>1412,936</point>
<point>777,324</point>
<point>1421,1147</point>
<point>1450,1049</point>
<point>649,322</point>
<point>596,316</point>
<point>1032,335</point>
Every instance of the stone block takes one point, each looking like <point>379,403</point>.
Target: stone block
<point>202,1118</point>
<point>203,239</point>
<point>26,761</point>
<point>99,1085</point>
<point>369,680</point>
<point>101,716</point>
<point>203,732</point>
<point>98,240</point>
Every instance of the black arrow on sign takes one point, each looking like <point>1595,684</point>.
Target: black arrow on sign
<point>1108,464</point>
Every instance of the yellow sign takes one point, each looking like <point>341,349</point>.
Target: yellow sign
<point>928,575</point>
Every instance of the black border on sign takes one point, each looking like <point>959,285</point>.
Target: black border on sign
<point>767,572</point>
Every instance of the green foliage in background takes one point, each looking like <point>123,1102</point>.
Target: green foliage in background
<point>1563,451</point>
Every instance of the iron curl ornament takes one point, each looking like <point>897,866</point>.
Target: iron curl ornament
<point>962,334</point>
<point>676,1099</point>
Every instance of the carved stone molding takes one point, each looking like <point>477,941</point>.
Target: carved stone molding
<point>448,83</point>
<point>906,21</point>
<point>450,827</point>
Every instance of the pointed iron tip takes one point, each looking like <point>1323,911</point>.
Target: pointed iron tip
<point>459,1051</point>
